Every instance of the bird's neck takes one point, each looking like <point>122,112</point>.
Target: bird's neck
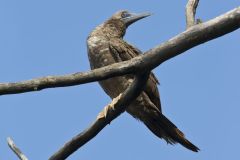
<point>114,29</point>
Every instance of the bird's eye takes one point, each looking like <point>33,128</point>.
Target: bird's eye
<point>125,14</point>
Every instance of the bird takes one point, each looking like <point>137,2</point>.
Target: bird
<point>106,46</point>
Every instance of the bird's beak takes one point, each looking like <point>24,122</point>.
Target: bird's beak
<point>134,17</point>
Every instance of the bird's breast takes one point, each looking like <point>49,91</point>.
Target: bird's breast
<point>98,52</point>
<point>100,55</point>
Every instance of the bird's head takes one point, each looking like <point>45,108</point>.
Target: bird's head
<point>119,22</point>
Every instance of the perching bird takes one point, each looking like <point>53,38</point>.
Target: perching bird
<point>106,46</point>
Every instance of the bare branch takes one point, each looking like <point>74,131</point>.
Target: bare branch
<point>110,112</point>
<point>16,150</point>
<point>194,36</point>
<point>190,12</point>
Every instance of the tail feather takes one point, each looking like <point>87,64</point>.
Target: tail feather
<point>164,128</point>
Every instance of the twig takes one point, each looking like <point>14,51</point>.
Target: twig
<point>16,150</point>
<point>190,12</point>
<point>110,112</point>
<point>194,36</point>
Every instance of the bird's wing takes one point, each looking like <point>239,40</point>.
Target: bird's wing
<point>123,51</point>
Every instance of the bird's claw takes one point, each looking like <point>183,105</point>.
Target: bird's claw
<point>110,106</point>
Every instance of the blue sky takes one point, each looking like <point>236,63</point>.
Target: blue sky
<point>200,90</point>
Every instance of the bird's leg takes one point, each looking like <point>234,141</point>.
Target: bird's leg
<point>110,106</point>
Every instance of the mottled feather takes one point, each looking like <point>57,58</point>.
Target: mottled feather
<point>123,51</point>
<point>105,47</point>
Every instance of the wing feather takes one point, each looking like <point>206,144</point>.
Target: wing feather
<point>122,51</point>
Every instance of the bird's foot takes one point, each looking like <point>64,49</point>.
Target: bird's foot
<point>114,101</point>
<point>110,106</point>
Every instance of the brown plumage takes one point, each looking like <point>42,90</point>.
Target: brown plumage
<point>106,46</point>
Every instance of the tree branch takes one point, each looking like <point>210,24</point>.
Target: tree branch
<point>194,36</point>
<point>16,150</point>
<point>110,112</point>
<point>214,28</point>
<point>190,12</point>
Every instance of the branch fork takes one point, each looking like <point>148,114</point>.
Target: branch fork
<point>191,8</point>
